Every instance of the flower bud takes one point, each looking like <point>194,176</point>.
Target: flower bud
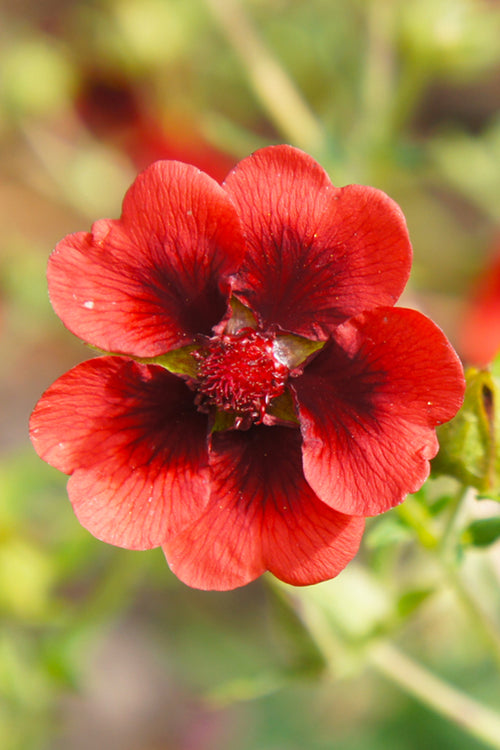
<point>468,443</point>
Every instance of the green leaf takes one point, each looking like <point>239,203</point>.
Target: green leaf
<point>411,600</point>
<point>483,532</point>
<point>245,689</point>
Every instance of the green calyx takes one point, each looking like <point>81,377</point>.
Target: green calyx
<point>178,361</point>
<point>470,443</point>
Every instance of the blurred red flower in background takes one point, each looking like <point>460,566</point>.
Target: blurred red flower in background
<point>480,329</point>
<point>116,111</point>
<point>265,395</point>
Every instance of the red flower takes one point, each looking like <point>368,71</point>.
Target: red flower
<point>266,395</point>
<point>117,111</point>
<point>480,330</point>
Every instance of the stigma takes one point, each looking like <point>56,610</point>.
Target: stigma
<point>240,373</point>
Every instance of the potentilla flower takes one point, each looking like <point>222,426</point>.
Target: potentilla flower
<point>264,395</point>
<point>479,334</point>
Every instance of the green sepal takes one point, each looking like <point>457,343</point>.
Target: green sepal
<point>178,361</point>
<point>294,350</point>
<point>223,420</point>
<point>282,408</point>
<point>241,317</point>
<point>469,443</point>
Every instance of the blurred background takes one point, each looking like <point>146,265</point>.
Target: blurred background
<point>101,647</point>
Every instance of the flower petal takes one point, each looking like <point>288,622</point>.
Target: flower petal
<point>155,278</point>
<point>262,516</point>
<point>134,444</point>
<point>368,405</point>
<point>317,254</point>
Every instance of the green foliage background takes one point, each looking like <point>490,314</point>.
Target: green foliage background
<point>100,647</point>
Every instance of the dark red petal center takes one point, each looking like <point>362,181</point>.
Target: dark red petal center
<point>240,373</point>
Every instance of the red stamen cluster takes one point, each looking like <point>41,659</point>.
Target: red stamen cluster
<point>240,373</point>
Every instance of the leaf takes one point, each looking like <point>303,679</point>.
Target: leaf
<point>411,600</point>
<point>482,532</point>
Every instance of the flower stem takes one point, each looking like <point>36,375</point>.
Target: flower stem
<point>478,720</point>
<point>272,86</point>
<point>340,654</point>
<point>448,537</point>
<point>378,78</point>
<point>446,556</point>
<point>443,550</point>
<point>476,613</point>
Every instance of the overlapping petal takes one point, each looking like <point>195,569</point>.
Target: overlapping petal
<point>317,254</point>
<point>154,279</point>
<point>262,515</point>
<point>368,405</point>
<point>134,444</point>
<point>307,258</point>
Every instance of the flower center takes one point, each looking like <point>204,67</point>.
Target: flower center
<point>240,373</point>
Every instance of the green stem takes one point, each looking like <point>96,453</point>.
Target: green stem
<point>272,86</point>
<point>448,537</point>
<point>443,550</point>
<point>476,613</point>
<point>447,559</point>
<point>416,680</point>
<point>378,79</point>
<point>478,720</point>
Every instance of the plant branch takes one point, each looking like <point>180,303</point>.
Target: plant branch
<point>341,654</point>
<point>443,550</point>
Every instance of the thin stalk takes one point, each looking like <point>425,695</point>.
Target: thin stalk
<point>446,557</point>
<point>479,721</point>
<point>378,80</point>
<point>416,680</point>
<point>475,612</point>
<point>448,537</point>
<point>275,90</point>
<point>443,551</point>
